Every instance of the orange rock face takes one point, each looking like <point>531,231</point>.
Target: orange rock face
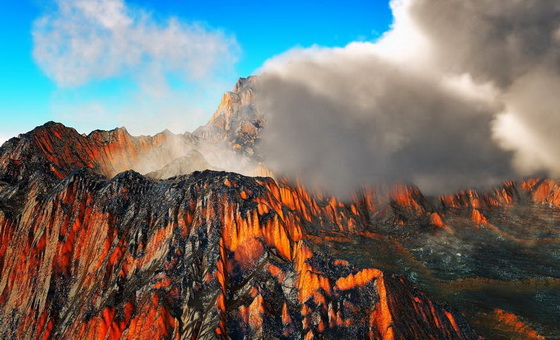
<point>90,252</point>
<point>237,122</point>
<point>511,321</point>
<point>61,150</point>
<point>435,220</point>
<point>211,255</point>
<point>533,190</point>
<point>477,217</point>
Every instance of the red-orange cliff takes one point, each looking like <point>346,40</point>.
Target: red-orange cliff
<point>210,255</point>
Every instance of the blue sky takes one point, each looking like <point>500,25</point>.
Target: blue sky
<point>31,93</point>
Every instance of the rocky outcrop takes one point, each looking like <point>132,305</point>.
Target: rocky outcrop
<point>477,217</point>
<point>534,190</point>
<point>211,255</point>
<point>237,121</point>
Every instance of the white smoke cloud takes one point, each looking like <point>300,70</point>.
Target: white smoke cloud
<point>85,40</point>
<point>530,122</point>
<point>457,94</point>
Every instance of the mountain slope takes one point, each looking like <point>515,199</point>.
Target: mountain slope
<point>88,249</point>
<point>57,150</point>
<point>204,256</point>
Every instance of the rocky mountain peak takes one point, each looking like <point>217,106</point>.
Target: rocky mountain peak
<point>91,247</point>
<point>237,121</point>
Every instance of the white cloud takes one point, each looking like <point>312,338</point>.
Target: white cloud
<point>85,40</point>
<point>117,65</point>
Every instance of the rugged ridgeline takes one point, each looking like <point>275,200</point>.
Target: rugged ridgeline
<point>87,254</point>
<point>208,255</point>
<point>58,150</point>
<point>227,141</point>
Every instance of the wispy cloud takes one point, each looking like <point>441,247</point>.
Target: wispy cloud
<point>84,40</point>
<point>83,45</point>
<point>178,112</point>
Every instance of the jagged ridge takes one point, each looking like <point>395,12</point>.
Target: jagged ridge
<point>396,224</point>
<point>208,255</point>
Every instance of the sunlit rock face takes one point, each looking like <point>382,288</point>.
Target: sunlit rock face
<point>57,150</point>
<point>91,250</point>
<point>227,142</point>
<point>237,121</point>
<point>210,255</point>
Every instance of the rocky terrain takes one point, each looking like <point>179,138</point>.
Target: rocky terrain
<point>237,121</point>
<point>110,236</point>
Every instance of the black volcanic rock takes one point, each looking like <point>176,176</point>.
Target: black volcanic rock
<point>207,255</point>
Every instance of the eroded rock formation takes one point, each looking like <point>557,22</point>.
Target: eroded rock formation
<point>90,249</point>
<point>203,256</point>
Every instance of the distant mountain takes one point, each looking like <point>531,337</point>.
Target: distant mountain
<point>92,249</point>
